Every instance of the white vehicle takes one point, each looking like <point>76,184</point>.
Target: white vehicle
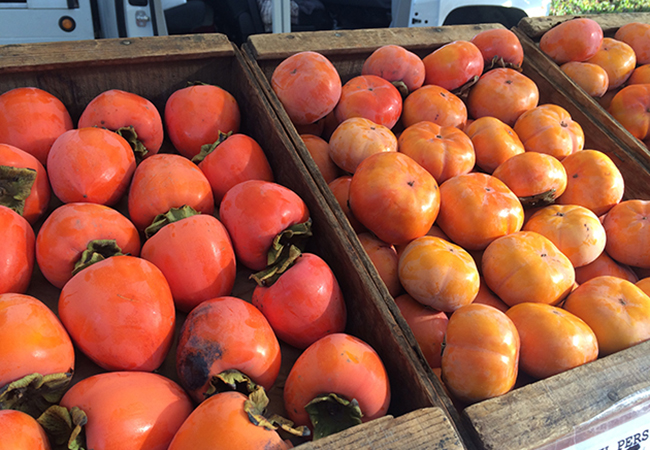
<point>23,21</point>
<point>432,13</point>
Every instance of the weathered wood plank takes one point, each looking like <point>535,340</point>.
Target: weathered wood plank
<point>548,410</point>
<point>342,42</point>
<point>22,57</point>
<point>535,27</point>
<point>411,431</point>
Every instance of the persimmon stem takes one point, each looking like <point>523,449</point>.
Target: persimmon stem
<point>64,428</point>
<point>206,149</point>
<point>34,393</point>
<point>171,216</point>
<point>332,413</point>
<point>15,186</point>
<point>97,250</point>
<point>131,136</point>
<point>285,250</point>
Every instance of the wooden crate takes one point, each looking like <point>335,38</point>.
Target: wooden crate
<point>155,67</point>
<point>529,417</point>
<point>530,30</point>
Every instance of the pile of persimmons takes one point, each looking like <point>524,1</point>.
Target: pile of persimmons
<point>141,250</point>
<point>615,70</point>
<point>507,245</point>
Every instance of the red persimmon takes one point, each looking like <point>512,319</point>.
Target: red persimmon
<point>16,253</point>
<point>120,313</point>
<point>195,115</point>
<point>116,110</point>
<point>32,119</point>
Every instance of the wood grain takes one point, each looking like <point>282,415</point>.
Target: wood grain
<point>535,27</point>
<point>548,410</point>
<point>411,431</point>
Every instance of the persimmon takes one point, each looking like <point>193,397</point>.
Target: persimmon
<point>618,60</point>
<point>644,284</point>
<point>120,313</point>
<point>164,181</point>
<point>223,334</point>
<point>25,184</point>
<point>438,273</point>
<point>195,115</point>
<point>255,212</point>
<point>640,75</point>
<point>575,39</point>
<point>22,432</point>
<point>32,119</point>
<point>593,181</point>
<point>605,265</point>
<point>485,296</point>
<point>339,364</point>
<point>117,110</point>
<point>319,150</point>
<point>494,142</point>
<point>453,64</point>
<point>32,341</point>
<point>236,159</point>
<point>480,336</point>
<point>536,178</point>
<point>526,266</point>
<point>477,208</point>
<point>428,327</point>
<point>75,228</point>
<point>591,77</point>
<point>442,150</point>
<point>308,86</point>
<point>196,256</point>
<point>357,138</point>
<point>575,230</point>
<point>631,107</point>
<point>304,304</point>
<point>637,36</point>
<point>500,44</point>
<point>502,93</point>
<point>222,421</point>
<point>129,410</point>
<point>17,254</point>
<point>434,104</point>
<point>90,165</point>
<point>553,340</point>
<point>396,64</point>
<point>394,197</point>
<point>371,97</point>
<point>550,129</point>
<point>340,188</point>
<point>628,232</point>
<point>385,259</point>
<point>616,310</point>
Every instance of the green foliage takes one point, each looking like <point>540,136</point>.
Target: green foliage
<point>571,7</point>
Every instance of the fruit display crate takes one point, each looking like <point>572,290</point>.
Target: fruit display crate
<point>554,413</point>
<point>155,67</point>
<point>530,30</point>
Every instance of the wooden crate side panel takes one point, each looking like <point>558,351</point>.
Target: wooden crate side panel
<point>546,411</point>
<point>535,27</point>
<point>410,431</point>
